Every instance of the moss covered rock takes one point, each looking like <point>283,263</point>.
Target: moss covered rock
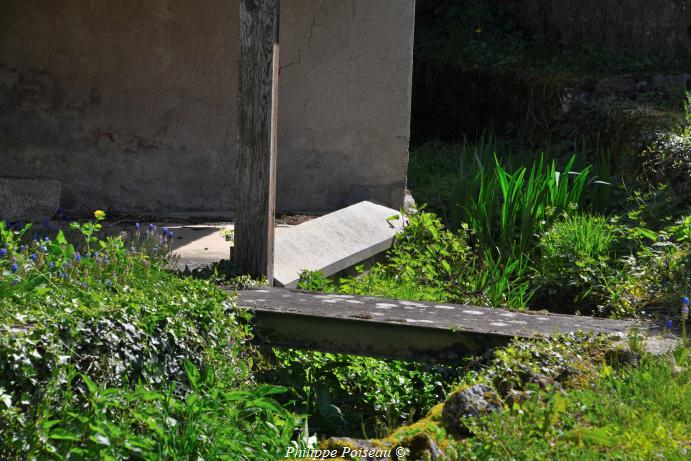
<point>472,401</point>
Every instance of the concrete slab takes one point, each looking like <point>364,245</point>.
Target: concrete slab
<point>28,199</point>
<point>333,242</point>
<point>400,329</point>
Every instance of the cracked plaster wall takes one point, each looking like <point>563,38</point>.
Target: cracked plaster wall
<point>134,108</point>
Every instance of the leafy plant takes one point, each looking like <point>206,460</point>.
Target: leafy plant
<point>626,414</point>
<point>338,391</point>
<point>510,209</point>
<point>315,281</point>
<point>576,263</point>
<point>430,263</point>
<point>81,419</point>
<point>443,176</point>
<point>104,354</point>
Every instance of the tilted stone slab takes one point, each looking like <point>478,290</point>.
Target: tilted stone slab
<point>28,199</point>
<point>402,329</point>
<point>333,242</point>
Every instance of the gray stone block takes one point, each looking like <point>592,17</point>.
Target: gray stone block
<point>24,199</point>
<point>333,242</point>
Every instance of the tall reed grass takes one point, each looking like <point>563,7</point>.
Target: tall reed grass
<point>511,209</point>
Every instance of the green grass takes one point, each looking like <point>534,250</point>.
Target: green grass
<point>442,175</point>
<point>571,397</point>
<point>636,413</point>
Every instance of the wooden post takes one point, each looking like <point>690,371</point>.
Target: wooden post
<point>255,184</point>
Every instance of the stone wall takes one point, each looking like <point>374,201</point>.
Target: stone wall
<point>654,26</point>
<point>133,107</point>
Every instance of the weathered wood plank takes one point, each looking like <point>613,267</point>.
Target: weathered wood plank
<point>401,329</point>
<point>255,184</point>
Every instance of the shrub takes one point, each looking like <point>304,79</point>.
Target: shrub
<point>576,263</point>
<point>590,265</point>
<point>428,262</point>
<point>668,161</point>
<point>660,274</point>
<point>354,395</point>
<point>431,255</point>
<point>78,419</point>
<point>626,413</point>
<point>102,353</point>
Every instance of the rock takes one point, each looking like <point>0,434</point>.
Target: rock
<point>421,446</point>
<point>472,401</point>
<point>679,82</point>
<point>517,397</point>
<point>408,202</point>
<point>571,99</point>
<point>28,199</point>
<point>623,355</point>
<point>616,86</point>
<point>347,448</point>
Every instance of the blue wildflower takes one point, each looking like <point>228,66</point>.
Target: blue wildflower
<point>3,252</point>
<point>670,324</point>
<point>43,248</point>
<point>46,238</point>
<point>33,257</point>
<point>51,264</point>
<point>14,267</point>
<point>62,275</point>
<point>22,248</point>
<point>77,256</point>
<point>137,226</point>
<point>108,282</point>
<point>96,254</point>
<point>165,230</point>
<point>152,227</point>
